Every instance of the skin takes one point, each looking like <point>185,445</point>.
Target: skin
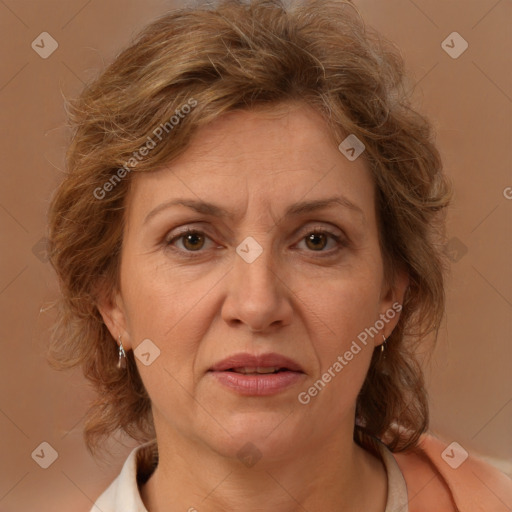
<point>290,300</point>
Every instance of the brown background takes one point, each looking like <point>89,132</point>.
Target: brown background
<point>469,99</point>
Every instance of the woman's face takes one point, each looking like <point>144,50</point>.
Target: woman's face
<point>283,260</point>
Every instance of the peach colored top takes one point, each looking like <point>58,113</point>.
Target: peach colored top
<point>433,477</point>
<point>441,477</point>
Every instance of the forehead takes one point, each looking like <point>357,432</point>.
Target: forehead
<point>271,158</point>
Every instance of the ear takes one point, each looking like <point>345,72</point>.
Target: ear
<point>392,298</point>
<point>111,307</point>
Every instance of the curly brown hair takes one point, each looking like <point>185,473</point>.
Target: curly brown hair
<point>232,56</point>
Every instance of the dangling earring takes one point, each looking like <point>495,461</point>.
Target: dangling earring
<point>382,357</point>
<point>121,363</point>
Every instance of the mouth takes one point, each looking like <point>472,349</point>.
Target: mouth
<point>247,370</point>
<point>263,375</point>
<point>262,363</point>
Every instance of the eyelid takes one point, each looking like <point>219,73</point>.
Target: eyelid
<point>331,230</point>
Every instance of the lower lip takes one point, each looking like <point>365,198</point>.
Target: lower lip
<point>258,384</point>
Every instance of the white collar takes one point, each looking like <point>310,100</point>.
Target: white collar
<point>123,493</point>
<point>398,500</point>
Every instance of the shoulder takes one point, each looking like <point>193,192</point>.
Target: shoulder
<point>443,477</point>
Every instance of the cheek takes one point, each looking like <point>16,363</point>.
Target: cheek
<point>151,306</point>
<point>346,303</point>
<point>153,296</point>
<point>168,305</point>
<point>343,348</point>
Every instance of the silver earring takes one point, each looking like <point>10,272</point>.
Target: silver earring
<point>121,363</point>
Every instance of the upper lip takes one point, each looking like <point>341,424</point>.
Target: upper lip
<point>245,360</point>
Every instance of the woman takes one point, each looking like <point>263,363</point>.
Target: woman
<point>247,244</point>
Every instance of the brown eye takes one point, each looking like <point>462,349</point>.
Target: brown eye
<point>323,242</point>
<point>189,241</point>
<point>193,241</point>
<point>316,241</point>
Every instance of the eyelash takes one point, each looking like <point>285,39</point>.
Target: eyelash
<point>341,243</point>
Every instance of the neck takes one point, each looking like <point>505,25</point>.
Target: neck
<point>334,474</point>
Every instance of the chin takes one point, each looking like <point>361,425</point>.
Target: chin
<point>261,436</point>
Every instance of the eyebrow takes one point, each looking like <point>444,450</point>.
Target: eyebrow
<point>214,210</point>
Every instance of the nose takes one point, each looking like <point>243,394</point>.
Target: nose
<point>258,295</point>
